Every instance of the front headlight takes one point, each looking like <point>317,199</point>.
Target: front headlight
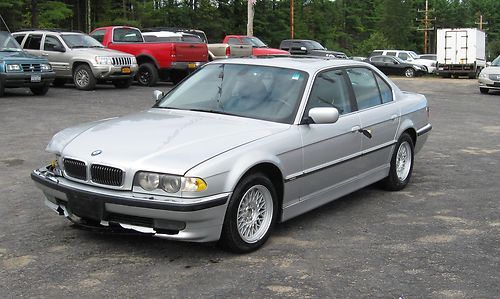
<point>483,75</point>
<point>133,60</point>
<point>14,68</point>
<point>150,181</point>
<point>45,67</point>
<point>104,60</point>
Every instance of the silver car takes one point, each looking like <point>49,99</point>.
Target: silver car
<point>489,78</point>
<point>78,57</point>
<point>237,147</point>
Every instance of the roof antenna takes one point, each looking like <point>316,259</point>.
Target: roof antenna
<point>5,23</point>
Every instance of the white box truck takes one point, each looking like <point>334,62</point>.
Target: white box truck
<point>460,52</point>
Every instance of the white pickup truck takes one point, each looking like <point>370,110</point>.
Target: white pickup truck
<point>215,51</point>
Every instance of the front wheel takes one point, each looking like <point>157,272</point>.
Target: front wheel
<point>409,72</point>
<point>40,90</point>
<point>147,74</point>
<point>251,214</point>
<point>84,78</point>
<point>401,164</point>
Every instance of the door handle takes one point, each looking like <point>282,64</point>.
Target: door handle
<point>367,133</point>
<point>45,54</point>
<point>355,129</point>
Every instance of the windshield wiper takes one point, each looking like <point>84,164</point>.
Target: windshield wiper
<point>96,46</point>
<point>78,47</point>
<point>212,111</point>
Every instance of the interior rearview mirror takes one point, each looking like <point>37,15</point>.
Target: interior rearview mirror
<point>324,115</point>
<point>158,95</point>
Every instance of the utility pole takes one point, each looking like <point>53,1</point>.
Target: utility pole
<point>291,20</point>
<point>427,23</point>
<point>250,14</point>
<point>481,22</point>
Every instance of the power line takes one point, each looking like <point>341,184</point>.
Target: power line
<point>426,21</point>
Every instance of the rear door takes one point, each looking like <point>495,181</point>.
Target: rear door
<point>33,43</point>
<point>379,117</point>
<point>456,47</point>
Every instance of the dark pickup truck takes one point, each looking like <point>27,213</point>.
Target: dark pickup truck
<point>309,47</point>
<point>157,60</point>
<point>20,69</point>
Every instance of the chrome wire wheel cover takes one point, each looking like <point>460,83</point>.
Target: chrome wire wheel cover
<point>82,78</point>
<point>409,73</point>
<point>403,161</point>
<point>255,213</point>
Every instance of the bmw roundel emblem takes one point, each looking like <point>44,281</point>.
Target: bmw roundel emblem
<point>95,153</point>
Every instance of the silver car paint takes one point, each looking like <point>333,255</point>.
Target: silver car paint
<point>231,146</point>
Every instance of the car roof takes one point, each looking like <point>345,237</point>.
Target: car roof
<point>308,64</point>
<point>54,31</point>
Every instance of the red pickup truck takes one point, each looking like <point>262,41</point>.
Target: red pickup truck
<point>258,47</point>
<point>157,60</point>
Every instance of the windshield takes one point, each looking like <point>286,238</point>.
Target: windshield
<point>255,42</point>
<point>8,43</point>
<point>399,59</point>
<point>496,62</point>
<point>80,41</point>
<point>260,92</point>
<point>413,55</point>
<point>314,45</point>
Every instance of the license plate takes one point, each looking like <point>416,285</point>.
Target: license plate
<point>191,65</point>
<point>36,78</point>
<point>85,206</point>
<point>126,70</point>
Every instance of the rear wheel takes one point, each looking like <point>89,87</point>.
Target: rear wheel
<point>40,90</point>
<point>251,214</point>
<point>147,75</point>
<point>409,72</point>
<point>58,82</point>
<point>84,78</point>
<point>483,90</point>
<point>401,164</point>
<point>123,83</point>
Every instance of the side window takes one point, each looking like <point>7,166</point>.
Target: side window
<point>33,42</point>
<point>19,38</point>
<point>403,56</point>
<point>233,41</point>
<point>389,60</point>
<point>330,89</point>
<point>385,90</point>
<point>285,45</point>
<point>52,43</point>
<point>365,87</point>
<point>98,35</point>
<point>391,54</point>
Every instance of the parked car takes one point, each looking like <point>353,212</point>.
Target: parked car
<point>215,51</point>
<point>309,47</point>
<point>409,57</point>
<point>79,58</point>
<point>391,65</point>
<point>157,60</point>
<point>259,48</point>
<point>432,57</point>
<point>21,69</point>
<point>236,147</point>
<point>489,78</point>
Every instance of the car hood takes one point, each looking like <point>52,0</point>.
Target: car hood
<point>98,52</point>
<point>269,51</point>
<point>491,70</point>
<point>20,57</point>
<point>169,141</point>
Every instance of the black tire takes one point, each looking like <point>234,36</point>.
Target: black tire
<point>483,90</point>
<point>122,83</point>
<point>84,78</point>
<point>147,75</point>
<point>230,237</point>
<point>59,82</point>
<point>393,182</point>
<point>409,72</point>
<point>40,90</point>
<point>2,88</point>
<point>177,76</point>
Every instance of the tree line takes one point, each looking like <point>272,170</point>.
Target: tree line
<point>353,26</point>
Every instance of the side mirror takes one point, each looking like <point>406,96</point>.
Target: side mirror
<point>59,49</point>
<point>488,63</point>
<point>324,115</point>
<point>158,95</point>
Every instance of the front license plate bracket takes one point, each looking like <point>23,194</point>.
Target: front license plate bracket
<point>85,206</point>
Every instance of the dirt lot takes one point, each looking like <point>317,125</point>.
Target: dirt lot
<point>438,238</point>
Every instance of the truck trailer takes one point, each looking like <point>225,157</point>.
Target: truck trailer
<point>460,52</point>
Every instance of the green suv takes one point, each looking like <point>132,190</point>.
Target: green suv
<point>20,69</point>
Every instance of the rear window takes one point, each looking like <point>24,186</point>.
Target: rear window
<point>375,53</point>
<point>98,35</point>
<point>127,35</point>
<point>391,53</point>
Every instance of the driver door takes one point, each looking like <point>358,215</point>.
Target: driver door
<point>55,52</point>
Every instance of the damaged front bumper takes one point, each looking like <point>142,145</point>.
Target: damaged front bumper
<point>199,221</point>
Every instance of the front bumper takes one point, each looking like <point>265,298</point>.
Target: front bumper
<point>23,79</point>
<point>111,72</point>
<point>186,66</point>
<point>199,222</point>
<point>488,83</point>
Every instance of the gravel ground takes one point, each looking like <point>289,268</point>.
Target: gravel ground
<point>438,238</point>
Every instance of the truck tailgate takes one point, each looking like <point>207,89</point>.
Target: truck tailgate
<point>240,50</point>
<point>191,52</point>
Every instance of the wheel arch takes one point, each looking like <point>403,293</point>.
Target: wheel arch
<point>75,64</point>
<point>145,58</point>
